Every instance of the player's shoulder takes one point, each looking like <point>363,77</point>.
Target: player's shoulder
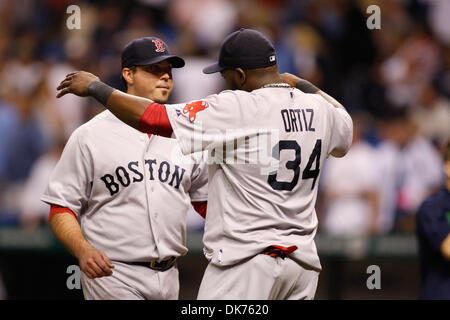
<point>225,98</point>
<point>228,95</point>
<point>318,99</point>
<point>92,126</point>
<point>228,92</point>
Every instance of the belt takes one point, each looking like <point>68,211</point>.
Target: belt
<point>278,251</point>
<point>155,265</point>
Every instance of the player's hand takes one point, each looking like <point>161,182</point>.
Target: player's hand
<point>76,83</point>
<point>94,263</point>
<point>290,79</point>
<point>299,83</point>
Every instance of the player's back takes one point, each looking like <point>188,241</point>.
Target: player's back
<point>265,189</point>
<point>279,145</point>
<point>267,148</point>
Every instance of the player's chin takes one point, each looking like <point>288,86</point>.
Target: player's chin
<point>161,95</point>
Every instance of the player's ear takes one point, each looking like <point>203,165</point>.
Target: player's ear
<point>241,76</point>
<point>128,75</point>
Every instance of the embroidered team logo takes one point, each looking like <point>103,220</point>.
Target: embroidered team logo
<point>194,107</point>
<point>159,45</point>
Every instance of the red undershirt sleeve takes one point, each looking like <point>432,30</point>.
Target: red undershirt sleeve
<point>155,120</point>
<point>200,207</point>
<point>54,209</point>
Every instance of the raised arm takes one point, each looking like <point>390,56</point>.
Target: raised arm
<point>308,87</point>
<point>126,107</point>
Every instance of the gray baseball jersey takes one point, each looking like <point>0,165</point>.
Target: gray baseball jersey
<point>266,150</point>
<point>130,190</point>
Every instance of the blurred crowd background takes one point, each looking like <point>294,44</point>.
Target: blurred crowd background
<point>395,82</point>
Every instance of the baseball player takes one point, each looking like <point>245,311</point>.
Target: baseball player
<point>267,142</point>
<point>131,191</point>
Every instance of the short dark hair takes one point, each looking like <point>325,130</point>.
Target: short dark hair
<point>133,69</point>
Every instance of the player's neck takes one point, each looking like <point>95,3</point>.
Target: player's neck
<point>267,80</point>
<point>131,91</point>
<point>258,78</point>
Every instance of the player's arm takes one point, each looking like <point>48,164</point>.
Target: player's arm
<point>66,229</point>
<point>198,190</point>
<point>307,87</point>
<point>128,108</point>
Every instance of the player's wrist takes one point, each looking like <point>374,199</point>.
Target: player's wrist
<point>81,249</point>
<point>100,91</point>
<point>306,86</point>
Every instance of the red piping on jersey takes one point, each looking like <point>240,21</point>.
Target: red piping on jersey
<point>54,209</point>
<point>155,120</point>
<point>200,207</point>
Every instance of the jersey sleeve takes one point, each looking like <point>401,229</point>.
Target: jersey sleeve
<point>155,121</point>
<point>54,210</point>
<point>432,224</point>
<point>70,182</point>
<point>199,180</point>
<point>200,125</point>
<point>341,128</point>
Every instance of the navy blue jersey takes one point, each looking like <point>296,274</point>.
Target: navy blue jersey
<point>433,226</point>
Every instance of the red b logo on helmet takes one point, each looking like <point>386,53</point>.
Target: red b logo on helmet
<point>194,107</point>
<point>159,45</point>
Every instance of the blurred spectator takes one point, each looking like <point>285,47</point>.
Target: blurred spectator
<point>410,169</point>
<point>413,65</point>
<point>22,136</point>
<point>34,212</point>
<point>192,83</point>
<point>396,20</point>
<point>209,21</point>
<point>67,113</point>
<point>388,168</point>
<point>433,232</point>
<point>438,14</point>
<point>307,46</point>
<point>432,114</point>
<point>443,77</point>
<point>350,188</point>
